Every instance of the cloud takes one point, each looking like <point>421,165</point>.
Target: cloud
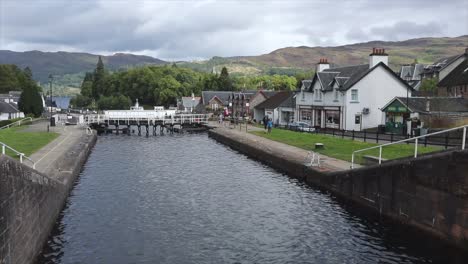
<point>201,29</point>
<point>406,29</point>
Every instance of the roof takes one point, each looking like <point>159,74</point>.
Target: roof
<point>458,76</point>
<point>223,95</point>
<point>188,102</point>
<point>8,108</point>
<point>413,70</point>
<point>268,93</point>
<point>436,104</point>
<point>282,98</point>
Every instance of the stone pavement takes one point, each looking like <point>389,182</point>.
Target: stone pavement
<point>69,137</point>
<point>295,154</point>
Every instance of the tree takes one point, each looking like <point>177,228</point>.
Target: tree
<point>429,85</point>
<point>224,81</point>
<point>30,101</point>
<point>27,71</point>
<point>99,80</point>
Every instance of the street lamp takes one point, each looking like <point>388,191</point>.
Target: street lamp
<point>407,79</point>
<point>52,120</point>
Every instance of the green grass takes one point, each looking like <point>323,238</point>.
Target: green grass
<point>341,148</point>
<point>25,142</point>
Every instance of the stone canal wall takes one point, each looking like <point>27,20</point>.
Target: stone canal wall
<point>429,193</point>
<point>30,201</point>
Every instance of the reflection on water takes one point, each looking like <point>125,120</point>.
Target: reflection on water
<point>188,199</point>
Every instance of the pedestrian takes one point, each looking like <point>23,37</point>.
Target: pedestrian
<point>270,125</point>
<point>265,122</point>
<point>220,118</point>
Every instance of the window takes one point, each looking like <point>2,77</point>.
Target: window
<point>318,95</point>
<point>357,119</point>
<point>305,115</point>
<point>354,95</point>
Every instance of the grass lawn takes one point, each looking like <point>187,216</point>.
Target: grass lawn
<point>25,142</point>
<point>341,148</point>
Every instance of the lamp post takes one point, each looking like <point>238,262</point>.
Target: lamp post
<point>407,79</point>
<point>52,120</point>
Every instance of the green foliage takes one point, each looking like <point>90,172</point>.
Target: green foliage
<point>80,101</point>
<point>429,85</point>
<point>30,101</point>
<point>99,80</point>
<point>114,102</point>
<point>13,78</point>
<point>224,80</point>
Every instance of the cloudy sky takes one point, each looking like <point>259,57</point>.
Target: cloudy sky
<point>174,30</point>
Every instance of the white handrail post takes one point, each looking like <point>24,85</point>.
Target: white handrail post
<point>416,148</point>
<point>464,138</point>
<point>34,165</point>
<point>380,155</point>
<point>352,161</point>
<point>21,157</point>
<point>3,149</point>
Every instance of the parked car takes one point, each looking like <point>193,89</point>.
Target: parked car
<point>301,126</point>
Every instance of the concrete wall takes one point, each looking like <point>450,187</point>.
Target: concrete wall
<point>30,202</point>
<point>417,192</point>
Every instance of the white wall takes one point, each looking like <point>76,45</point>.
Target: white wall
<point>376,59</point>
<point>375,91</point>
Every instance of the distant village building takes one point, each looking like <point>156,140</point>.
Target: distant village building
<point>189,103</point>
<point>9,111</point>
<point>412,74</point>
<point>237,103</point>
<point>350,97</point>
<point>403,114</point>
<point>455,84</point>
<point>11,97</point>
<point>278,108</point>
<point>441,68</point>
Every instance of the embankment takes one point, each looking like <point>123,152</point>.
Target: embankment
<point>30,201</point>
<point>429,193</point>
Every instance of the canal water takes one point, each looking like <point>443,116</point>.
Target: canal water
<point>188,199</point>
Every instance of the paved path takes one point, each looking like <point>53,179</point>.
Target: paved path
<point>47,155</point>
<point>298,155</point>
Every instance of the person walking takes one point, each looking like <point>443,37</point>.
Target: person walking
<point>269,125</point>
<point>265,122</point>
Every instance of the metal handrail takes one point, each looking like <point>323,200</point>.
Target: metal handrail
<point>19,123</point>
<point>21,155</point>
<point>415,143</point>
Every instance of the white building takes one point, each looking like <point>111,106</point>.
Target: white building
<point>349,98</point>
<point>278,108</point>
<point>9,111</point>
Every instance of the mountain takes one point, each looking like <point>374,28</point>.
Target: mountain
<point>425,50</point>
<point>62,64</point>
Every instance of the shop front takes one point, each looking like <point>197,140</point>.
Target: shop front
<point>396,115</point>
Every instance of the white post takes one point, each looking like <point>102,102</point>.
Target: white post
<point>464,138</point>
<point>3,149</point>
<point>380,155</point>
<point>416,148</point>
<point>34,165</point>
<point>352,161</point>
<point>21,157</point>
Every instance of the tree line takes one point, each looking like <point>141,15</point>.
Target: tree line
<point>162,85</point>
<point>13,78</point>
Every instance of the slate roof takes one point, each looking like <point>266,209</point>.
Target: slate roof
<point>306,85</point>
<point>345,76</point>
<point>436,104</point>
<point>413,70</point>
<point>282,98</point>
<point>269,93</point>
<point>223,95</point>
<point>8,108</point>
<point>188,102</point>
<point>458,76</point>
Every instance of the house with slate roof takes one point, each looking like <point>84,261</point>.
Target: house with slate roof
<point>349,97</point>
<point>279,108</point>
<point>189,103</point>
<point>412,74</point>
<point>9,111</point>
<point>442,67</point>
<point>455,84</point>
<point>236,102</point>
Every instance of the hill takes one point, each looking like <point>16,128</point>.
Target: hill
<point>291,59</point>
<point>70,65</point>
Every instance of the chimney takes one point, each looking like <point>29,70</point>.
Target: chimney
<point>322,65</point>
<point>377,56</point>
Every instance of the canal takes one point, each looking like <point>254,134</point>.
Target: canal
<point>188,199</point>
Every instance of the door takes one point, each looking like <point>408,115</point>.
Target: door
<point>358,122</point>
<point>318,118</point>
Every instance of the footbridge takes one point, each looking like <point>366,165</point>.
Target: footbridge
<point>166,120</point>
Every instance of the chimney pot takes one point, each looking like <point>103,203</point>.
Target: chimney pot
<point>373,50</point>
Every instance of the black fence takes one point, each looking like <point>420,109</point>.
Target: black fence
<point>449,139</point>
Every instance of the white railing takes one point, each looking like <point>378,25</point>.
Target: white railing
<point>16,123</point>
<point>21,155</point>
<point>170,119</point>
<point>415,143</point>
